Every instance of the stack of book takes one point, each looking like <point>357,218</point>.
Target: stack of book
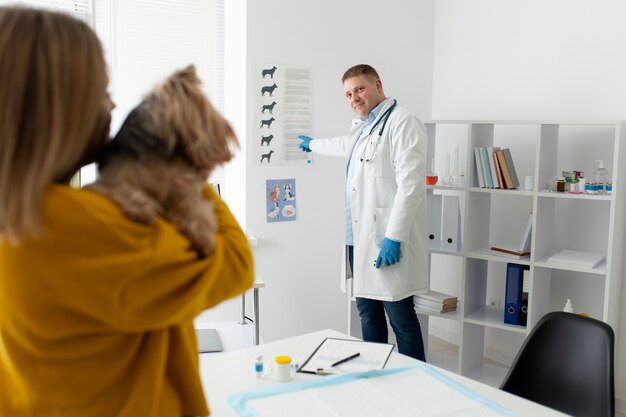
<point>436,302</point>
<point>495,168</point>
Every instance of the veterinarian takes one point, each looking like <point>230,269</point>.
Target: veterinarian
<point>96,311</point>
<point>386,218</point>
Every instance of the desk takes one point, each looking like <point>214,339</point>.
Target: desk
<point>231,372</point>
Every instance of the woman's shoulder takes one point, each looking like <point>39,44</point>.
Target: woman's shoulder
<point>78,201</point>
<point>66,206</point>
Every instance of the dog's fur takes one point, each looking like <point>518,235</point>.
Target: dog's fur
<point>161,158</point>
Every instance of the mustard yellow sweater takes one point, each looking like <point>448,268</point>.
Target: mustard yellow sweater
<point>96,314</point>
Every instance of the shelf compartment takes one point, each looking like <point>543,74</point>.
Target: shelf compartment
<point>511,191</point>
<point>600,269</point>
<point>446,252</point>
<point>479,343</point>
<point>575,224</point>
<point>495,258</point>
<point>451,315</point>
<point>490,316</point>
<point>603,197</point>
<point>446,187</point>
<point>587,292</point>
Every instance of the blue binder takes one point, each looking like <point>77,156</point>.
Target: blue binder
<point>513,295</point>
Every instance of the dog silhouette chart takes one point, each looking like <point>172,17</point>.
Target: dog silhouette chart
<point>268,107</point>
<point>268,89</point>
<point>269,72</point>
<point>267,122</point>
<point>266,139</point>
<point>267,156</point>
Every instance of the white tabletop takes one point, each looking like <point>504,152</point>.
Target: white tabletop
<point>231,372</point>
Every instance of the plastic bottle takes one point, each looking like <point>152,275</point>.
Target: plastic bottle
<point>282,368</point>
<point>258,366</point>
<point>528,183</point>
<point>569,308</point>
<point>600,176</point>
<point>609,187</point>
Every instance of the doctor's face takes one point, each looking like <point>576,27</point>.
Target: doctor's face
<point>363,94</point>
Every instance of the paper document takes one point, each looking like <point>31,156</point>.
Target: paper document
<point>574,257</point>
<point>331,350</point>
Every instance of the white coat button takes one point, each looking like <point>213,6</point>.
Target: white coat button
<point>356,221</point>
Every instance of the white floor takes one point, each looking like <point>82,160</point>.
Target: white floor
<point>445,355</point>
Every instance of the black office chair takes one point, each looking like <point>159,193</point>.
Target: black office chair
<point>566,363</point>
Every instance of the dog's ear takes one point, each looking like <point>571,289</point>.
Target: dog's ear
<point>189,123</point>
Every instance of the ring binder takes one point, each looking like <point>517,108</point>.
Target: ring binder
<point>513,296</point>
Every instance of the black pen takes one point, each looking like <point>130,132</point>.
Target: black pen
<point>345,359</point>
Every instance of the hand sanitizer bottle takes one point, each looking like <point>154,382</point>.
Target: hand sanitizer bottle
<point>569,308</point>
<point>600,176</point>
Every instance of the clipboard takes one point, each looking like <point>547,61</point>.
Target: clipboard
<point>331,350</point>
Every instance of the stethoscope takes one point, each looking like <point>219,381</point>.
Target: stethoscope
<point>383,119</point>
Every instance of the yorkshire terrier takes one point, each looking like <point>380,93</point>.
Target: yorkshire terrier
<point>160,160</point>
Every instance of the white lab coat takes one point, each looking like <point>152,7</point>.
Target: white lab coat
<point>387,199</point>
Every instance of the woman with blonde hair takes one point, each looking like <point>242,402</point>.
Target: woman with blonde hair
<point>96,312</point>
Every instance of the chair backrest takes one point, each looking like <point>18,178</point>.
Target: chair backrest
<point>566,363</point>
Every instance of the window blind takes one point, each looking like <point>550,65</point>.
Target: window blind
<point>151,38</point>
<point>146,40</point>
<point>80,9</point>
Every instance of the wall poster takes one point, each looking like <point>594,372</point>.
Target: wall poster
<point>280,197</point>
<point>283,110</point>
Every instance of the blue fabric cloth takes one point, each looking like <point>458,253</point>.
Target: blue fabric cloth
<point>402,316</point>
<point>240,402</point>
<point>353,160</point>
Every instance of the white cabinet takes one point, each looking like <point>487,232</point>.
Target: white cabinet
<point>590,223</point>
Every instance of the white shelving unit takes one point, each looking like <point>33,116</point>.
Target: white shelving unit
<point>560,221</point>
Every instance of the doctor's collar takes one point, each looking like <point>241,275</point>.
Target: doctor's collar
<point>375,111</point>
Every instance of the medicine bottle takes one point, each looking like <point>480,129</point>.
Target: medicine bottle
<point>258,366</point>
<point>600,176</point>
<point>528,183</point>
<point>569,308</point>
<point>560,184</point>
<point>282,368</point>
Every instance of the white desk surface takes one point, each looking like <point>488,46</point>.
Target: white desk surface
<point>231,372</point>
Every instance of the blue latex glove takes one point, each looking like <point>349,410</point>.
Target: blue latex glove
<point>389,253</point>
<point>305,143</point>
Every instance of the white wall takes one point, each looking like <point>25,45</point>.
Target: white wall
<point>538,59</point>
<point>300,261</point>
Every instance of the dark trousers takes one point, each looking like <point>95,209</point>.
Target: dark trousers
<point>402,317</point>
